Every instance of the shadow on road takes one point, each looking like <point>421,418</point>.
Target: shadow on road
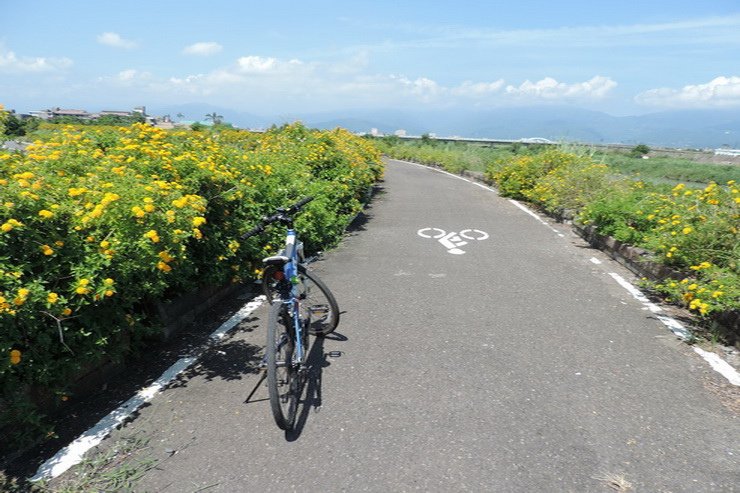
<point>360,221</point>
<point>312,395</point>
<point>229,359</point>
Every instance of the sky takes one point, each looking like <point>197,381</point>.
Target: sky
<point>279,57</point>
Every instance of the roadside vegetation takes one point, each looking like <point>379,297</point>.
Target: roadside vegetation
<point>98,224</point>
<point>694,228</point>
<point>456,157</point>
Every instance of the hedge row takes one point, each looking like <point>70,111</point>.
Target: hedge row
<point>97,224</point>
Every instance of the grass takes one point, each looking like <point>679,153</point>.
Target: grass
<point>664,169</point>
<point>616,482</point>
<point>112,470</point>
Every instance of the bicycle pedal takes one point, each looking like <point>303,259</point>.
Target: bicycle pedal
<point>334,354</point>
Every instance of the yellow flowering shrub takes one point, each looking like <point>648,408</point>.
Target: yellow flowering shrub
<point>97,223</point>
<point>692,230</point>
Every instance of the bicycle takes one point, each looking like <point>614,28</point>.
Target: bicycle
<point>300,304</point>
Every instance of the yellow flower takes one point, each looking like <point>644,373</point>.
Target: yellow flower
<point>46,214</point>
<point>108,282</point>
<point>21,297</point>
<point>152,235</point>
<point>196,232</point>
<point>687,230</point>
<point>52,298</point>
<point>10,224</point>
<point>47,250</point>
<point>104,244</point>
<point>197,221</point>
<point>15,357</point>
<point>165,256</point>
<point>109,292</point>
<point>74,192</point>
<point>692,286</point>
<point>138,211</point>
<point>82,290</point>
<point>163,266</point>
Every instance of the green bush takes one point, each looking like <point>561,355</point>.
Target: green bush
<point>97,224</point>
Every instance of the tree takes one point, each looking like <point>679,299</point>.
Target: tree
<point>639,150</point>
<point>16,126</point>
<point>180,116</point>
<point>215,118</point>
<point>3,118</point>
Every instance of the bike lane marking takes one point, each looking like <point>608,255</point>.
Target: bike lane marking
<point>453,240</point>
<point>73,453</point>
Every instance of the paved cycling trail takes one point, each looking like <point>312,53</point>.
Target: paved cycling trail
<point>519,365</point>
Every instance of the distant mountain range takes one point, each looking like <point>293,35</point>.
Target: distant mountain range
<point>695,129</point>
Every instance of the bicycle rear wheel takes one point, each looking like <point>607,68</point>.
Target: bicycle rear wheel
<point>318,305</point>
<point>319,309</point>
<point>283,381</point>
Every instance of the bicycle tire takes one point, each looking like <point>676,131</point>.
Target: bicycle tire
<point>314,295</point>
<point>319,308</point>
<point>283,383</point>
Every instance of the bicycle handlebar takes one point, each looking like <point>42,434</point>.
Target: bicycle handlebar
<point>282,214</point>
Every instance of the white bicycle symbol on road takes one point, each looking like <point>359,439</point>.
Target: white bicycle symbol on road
<point>453,241</point>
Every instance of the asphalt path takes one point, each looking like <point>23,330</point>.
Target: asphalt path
<point>512,362</point>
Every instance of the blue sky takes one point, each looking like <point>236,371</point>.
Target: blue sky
<point>289,57</point>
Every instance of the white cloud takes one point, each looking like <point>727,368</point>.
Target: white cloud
<point>276,84</point>
<point>13,64</point>
<point>549,89</point>
<point>478,89</point>
<point>128,77</point>
<point>423,88</point>
<point>719,92</point>
<point>257,65</point>
<point>115,40</point>
<point>205,48</point>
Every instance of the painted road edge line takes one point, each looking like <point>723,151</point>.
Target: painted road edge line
<point>717,363</point>
<point>535,215</point>
<point>721,366</point>
<point>73,453</point>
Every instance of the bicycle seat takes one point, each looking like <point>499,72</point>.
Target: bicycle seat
<point>278,260</point>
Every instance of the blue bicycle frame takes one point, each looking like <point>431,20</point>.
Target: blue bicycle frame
<point>290,269</point>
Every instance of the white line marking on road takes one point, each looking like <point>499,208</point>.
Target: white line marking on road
<point>74,452</point>
<point>720,365</point>
<point>674,325</point>
<point>484,187</point>
<point>536,216</point>
<point>595,260</point>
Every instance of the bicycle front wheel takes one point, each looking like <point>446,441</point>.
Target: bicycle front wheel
<point>282,376</point>
<point>319,309</point>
